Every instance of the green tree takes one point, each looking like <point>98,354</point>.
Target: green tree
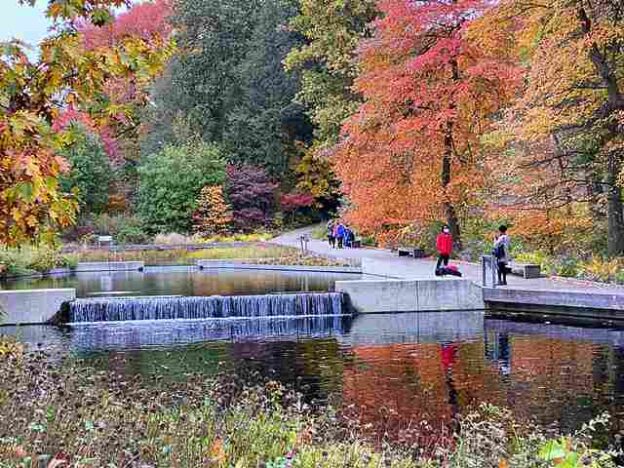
<point>90,172</point>
<point>327,65</point>
<point>228,85</point>
<point>170,182</point>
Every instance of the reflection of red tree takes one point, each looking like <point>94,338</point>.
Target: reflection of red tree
<point>400,391</point>
<point>549,376</point>
<point>475,379</point>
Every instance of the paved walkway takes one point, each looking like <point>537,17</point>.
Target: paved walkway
<point>383,262</point>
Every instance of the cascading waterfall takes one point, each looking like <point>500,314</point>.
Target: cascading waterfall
<point>119,309</point>
<point>146,334</point>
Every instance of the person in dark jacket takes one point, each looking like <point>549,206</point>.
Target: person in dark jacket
<point>340,234</point>
<point>330,234</point>
<point>444,246</point>
<point>501,251</point>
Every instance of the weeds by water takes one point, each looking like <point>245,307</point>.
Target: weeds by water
<point>69,414</point>
<point>253,253</point>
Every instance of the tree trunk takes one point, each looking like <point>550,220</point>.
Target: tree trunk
<point>606,72</point>
<point>449,209</point>
<point>615,208</point>
<point>447,157</point>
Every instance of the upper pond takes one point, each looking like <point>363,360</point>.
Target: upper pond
<point>184,281</point>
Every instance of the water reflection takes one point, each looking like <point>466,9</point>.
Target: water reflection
<point>184,281</point>
<point>406,375</point>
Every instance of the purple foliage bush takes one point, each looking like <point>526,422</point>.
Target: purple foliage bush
<point>251,193</point>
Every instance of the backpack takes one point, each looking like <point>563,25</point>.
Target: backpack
<point>499,251</point>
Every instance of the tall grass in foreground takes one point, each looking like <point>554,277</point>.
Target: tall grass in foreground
<point>69,414</point>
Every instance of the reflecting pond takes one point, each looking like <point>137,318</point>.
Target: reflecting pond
<point>392,370</point>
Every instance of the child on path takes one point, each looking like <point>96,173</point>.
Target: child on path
<point>444,245</point>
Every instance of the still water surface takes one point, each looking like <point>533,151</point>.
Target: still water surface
<point>392,370</point>
<point>185,281</point>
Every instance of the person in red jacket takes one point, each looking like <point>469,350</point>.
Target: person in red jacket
<point>444,244</point>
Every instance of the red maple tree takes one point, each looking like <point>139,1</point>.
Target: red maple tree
<point>412,151</point>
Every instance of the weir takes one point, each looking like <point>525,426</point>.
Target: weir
<point>147,333</point>
<point>120,309</point>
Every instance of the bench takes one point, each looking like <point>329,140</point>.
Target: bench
<point>105,240</point>
<point>415,252</point>
<point>526,270</point>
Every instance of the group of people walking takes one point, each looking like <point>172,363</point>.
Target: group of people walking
<point>500,251</point>
<point>339,235</point>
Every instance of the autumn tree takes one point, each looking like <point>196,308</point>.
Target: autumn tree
<point>213,215</point>
<point>33,93</point>
<point>127,96</point>
<point>568,127</point>
<point>412,152</point>
<point>327,64</point>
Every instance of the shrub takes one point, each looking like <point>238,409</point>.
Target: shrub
<point>170,182</point>
<point>125,229</point>
<point>568,267</point>
<point>44,258</point>
<point>106,224</point>
<point>130,234</point>
<point>252,196</point>
<point>213,215</point>
<point>172,238</point>
<point>537,257</point>
<point>29,259</point>
<point>606,271</point>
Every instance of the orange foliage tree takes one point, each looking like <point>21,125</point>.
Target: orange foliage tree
<point>213,215</point>
<point>412,153</point>
<point>566,132</point>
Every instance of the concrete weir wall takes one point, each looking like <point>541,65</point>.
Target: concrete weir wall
<point>369,296</point>
<point>220,264</point>
<point>33,305</point>
<point>109,266</point>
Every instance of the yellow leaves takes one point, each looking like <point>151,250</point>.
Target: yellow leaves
<point>217,451</point>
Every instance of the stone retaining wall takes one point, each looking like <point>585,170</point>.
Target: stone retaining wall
<point>33,305</point>
<point>109,266</point>
<point>219,264</point>
<point>576,303</point>
<point>430,295</point>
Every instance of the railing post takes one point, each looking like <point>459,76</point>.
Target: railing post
<point>483,272</point>
<point>494,267</point>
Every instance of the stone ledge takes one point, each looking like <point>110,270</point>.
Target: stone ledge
<point>426,295</point>
<point>219,264</point>
<point>29,306</point>
<point>561,298</point>
<point>109,266</point>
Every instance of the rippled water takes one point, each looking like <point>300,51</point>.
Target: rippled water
<point>392,370</point>
<point>184,281</point>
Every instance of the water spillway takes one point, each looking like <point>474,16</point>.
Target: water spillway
<point>159,334</point>
<point>119,309</point>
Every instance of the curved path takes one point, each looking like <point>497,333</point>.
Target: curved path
<point>383,262</point>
